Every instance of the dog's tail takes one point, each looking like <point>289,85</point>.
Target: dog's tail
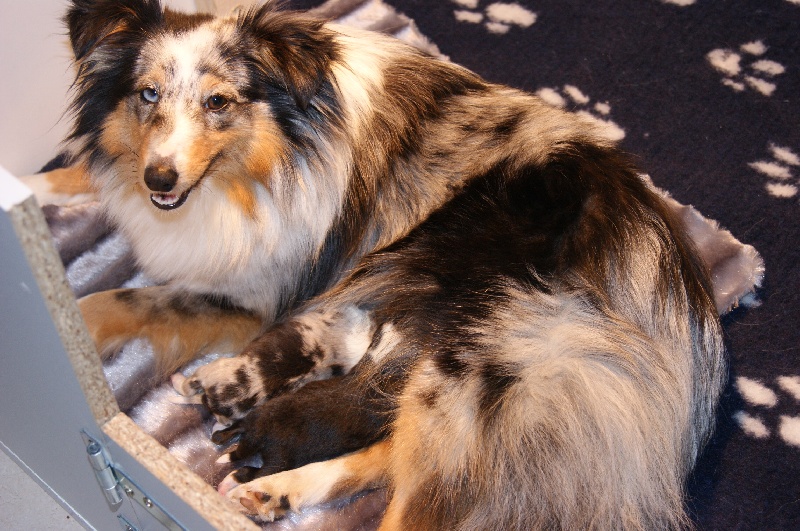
<point>580,403</point>
<point>580,422</point>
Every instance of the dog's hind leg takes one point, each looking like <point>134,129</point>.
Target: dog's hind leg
<point>271,496</point>
<point>179,326</point>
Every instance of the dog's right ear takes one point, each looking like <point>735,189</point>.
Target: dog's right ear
<point>294,51</point>
<point>94,23</point>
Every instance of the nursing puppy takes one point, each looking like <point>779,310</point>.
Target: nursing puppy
<point>468,290</point>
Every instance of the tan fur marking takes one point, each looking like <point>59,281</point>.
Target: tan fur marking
<point>122,137</point>
<point>367,469</point>
<point>211,84</point>
<point>266,149</point>
<point>176,337</point>
<point>72,180</point>
<point>110,322</point>
<point>204,148</point>
<point>179,340</point>
<point>243,195</point>
<point>393,517</point>
<point>312,484</point>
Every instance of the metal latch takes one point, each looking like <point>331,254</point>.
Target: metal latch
<point>117,486</point>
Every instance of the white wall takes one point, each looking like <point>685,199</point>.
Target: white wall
<point>35,76</point>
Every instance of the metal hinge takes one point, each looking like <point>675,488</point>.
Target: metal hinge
<point>117,486</point>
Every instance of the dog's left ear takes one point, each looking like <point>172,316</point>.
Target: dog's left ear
<point>294,50</point>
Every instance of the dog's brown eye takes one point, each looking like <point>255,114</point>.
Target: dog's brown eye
<point>216,102</point>
<point>150,95</point>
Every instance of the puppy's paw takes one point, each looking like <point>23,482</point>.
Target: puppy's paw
<point>187,394</point>
<point>265,498</point>
<point>231,387</point>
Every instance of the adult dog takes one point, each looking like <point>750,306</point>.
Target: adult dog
<point>468,290</point>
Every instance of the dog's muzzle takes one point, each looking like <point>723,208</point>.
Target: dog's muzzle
<point>161,180</point>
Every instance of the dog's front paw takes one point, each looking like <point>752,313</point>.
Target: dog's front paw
<point>230,387</point>
<point>264,499</point>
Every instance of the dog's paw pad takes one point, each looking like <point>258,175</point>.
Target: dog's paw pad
<point>262,505</point>
<point>232,387</point>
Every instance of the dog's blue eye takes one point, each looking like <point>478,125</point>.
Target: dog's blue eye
<point>216,102</point>
<point>150,95</point>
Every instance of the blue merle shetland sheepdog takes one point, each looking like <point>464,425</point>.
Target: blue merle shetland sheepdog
<point>435,283</point>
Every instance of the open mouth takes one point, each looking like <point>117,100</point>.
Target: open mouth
<point>169,201</point>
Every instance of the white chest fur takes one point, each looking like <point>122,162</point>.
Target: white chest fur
<point>211,245</point>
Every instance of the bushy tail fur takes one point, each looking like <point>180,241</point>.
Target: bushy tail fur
<point>582,400</point>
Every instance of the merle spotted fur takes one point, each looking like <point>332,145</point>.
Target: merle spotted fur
<point>469,283</point>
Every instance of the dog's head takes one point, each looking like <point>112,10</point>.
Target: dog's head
<point>170,100</point>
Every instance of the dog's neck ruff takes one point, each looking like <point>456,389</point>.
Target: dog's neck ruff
<point>208,245</point>
<point>211,245</point>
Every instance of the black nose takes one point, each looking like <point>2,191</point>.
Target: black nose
<point>160,178</point>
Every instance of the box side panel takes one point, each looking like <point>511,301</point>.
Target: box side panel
<point>33,239</point>
<point>52,387</point>
<point>42,405</point>
<point>183,493</point>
